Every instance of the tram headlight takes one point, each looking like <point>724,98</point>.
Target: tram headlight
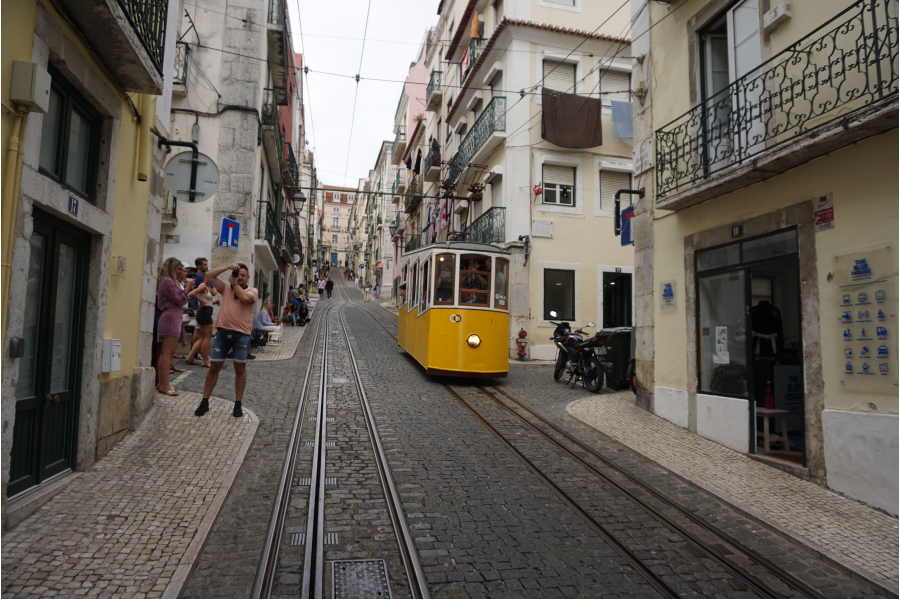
<point>473,340</point>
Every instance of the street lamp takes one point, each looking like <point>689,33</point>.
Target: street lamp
<point>299,199</point>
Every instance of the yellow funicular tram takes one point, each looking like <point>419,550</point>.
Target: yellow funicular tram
<point>454,315</point>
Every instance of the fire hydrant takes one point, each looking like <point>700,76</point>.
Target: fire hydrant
<point>522,343</point>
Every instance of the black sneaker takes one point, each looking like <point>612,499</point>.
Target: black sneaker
<point>237,412</point>
<point>202,409</point>
<point>251,356</point>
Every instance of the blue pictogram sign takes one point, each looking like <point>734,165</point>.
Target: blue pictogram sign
<point>230,234</point>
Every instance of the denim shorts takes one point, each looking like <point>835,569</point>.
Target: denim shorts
<point>220,348</point>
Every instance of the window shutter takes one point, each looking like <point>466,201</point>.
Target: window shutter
<point>617,82</point>
<point>559,175</point>
<point>559,76</point>
<point>610,183</point>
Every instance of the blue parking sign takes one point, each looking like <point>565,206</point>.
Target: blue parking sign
<point>230,234</point>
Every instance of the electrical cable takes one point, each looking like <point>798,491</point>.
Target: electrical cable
<point>362,53</point>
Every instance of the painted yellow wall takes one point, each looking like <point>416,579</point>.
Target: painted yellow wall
<point>862,179</point>
<point>129,239</point>
<point>592,14</point>
<point>132,197</point>
<point>18,36</point>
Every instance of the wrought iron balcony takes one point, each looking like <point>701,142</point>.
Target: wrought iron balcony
<point>845,65</point>
<point>290,241</point>
<point>267,227</point>
<point>454,167</point>
<point>399,146</point>
<point>180,77</point>
<point>290,167</point>
<point>492,120</point>
<point>276,12</point>
<point>476,47</point>
<point>148,19</point>
<point>272,138</point>
<point>490,227</point>
<point>434,92</point>
<point>413,242</point>
<point>432,164</point>
<point>414,194</point>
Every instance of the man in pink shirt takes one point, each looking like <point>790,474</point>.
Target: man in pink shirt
<point>233,328</point>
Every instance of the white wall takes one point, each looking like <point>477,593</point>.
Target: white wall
<point>671,405</point>
<point>861,456</point>
<point>724,420</point>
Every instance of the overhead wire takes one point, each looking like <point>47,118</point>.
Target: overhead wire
<point>362,53</point>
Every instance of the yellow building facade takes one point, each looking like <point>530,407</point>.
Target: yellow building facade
<point>768,246</point>
<point>82,189</point>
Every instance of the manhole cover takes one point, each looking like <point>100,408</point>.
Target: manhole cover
<point>360,579</point>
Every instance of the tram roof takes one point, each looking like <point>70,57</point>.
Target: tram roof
<point>460,246</point>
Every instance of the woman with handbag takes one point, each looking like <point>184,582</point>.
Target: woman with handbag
<point>170,298</point>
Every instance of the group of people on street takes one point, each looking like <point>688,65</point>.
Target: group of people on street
<point>324,285</point>
<point>178,295</point>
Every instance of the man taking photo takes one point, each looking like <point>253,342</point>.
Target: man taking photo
<point>233,328</point>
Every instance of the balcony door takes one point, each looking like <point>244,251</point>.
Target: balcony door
<point>734,126</point>
<point>50,372</point>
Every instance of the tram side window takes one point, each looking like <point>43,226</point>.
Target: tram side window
<point>423,302</point>
<point>474,279</point>
<point>412,289</point>
<point>402,288</point>
<point>444,274</point>
<point>501,284</point>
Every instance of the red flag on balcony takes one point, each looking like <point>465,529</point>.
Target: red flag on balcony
<point>570,120</point>
<point>464,65</point>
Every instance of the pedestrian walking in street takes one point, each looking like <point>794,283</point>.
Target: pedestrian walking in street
<point>202,267</point>
<point>233,326</point>
<point>329,287</point>
<point>170,300</point>
<point>367,289</point>
<point>320,287</point>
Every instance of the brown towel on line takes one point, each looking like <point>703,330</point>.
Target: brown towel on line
<point>570,120</point>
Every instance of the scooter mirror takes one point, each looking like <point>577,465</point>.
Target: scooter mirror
<point>553,313</point>
<point>592,324</point>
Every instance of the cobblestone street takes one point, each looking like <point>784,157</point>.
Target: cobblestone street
<point>483,521</point>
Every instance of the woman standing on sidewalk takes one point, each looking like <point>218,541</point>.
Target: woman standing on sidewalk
<point>367,289</point>
<point>170,298</point>
<point>202,342</point>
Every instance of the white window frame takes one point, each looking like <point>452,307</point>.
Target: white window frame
<point>562,5</point>
<point>549,53</point>
<point>601,163</point>
<point>562,160</point>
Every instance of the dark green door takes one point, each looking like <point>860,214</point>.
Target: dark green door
<point>50,371</point>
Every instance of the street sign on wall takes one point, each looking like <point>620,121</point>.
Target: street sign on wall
<point>627,217</point>
<point>230,234</point>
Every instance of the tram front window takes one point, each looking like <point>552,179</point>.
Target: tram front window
<point>474,279</point>
<point>500,283</point>
<point>444,271</point>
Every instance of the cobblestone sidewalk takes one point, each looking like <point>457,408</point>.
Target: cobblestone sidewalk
<point>133,525</point>
<point>860,537</point>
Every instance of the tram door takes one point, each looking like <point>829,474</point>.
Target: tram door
<point>49,373</point>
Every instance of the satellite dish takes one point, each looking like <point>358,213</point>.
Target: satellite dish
<point>178,177</point>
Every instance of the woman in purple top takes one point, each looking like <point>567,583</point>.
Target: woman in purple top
<point>170,299</point>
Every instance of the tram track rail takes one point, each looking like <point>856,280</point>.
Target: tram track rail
<point>708,550</point>
<point>314,561</point>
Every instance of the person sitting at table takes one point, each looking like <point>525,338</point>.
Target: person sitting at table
<point>264,319</point>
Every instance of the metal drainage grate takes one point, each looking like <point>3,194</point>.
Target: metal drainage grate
<point>329,419</point>
<point>305,482</point>
<point>311,419</point>
<point>308,444</point>
<point>298,539</point>
<point>329,444</point>
<point>331,481</point>
<point>331,539</point>
<point>360,579</point>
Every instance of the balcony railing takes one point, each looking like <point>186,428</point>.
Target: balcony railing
<point>454,168</point>
<point>413,242</point>
<point>432,160</point>
<point>476,47</point>
<point>292,169</point>
<point>844,65</point>
<point>414,193</point>
<point>182,52</point>
<point>276,12</point>
<point>290,241</point>
<point>148,19</point>
<point>492,119</point>
<point>490,227</point>
<point>434,85</point>
<point>267,227</point>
